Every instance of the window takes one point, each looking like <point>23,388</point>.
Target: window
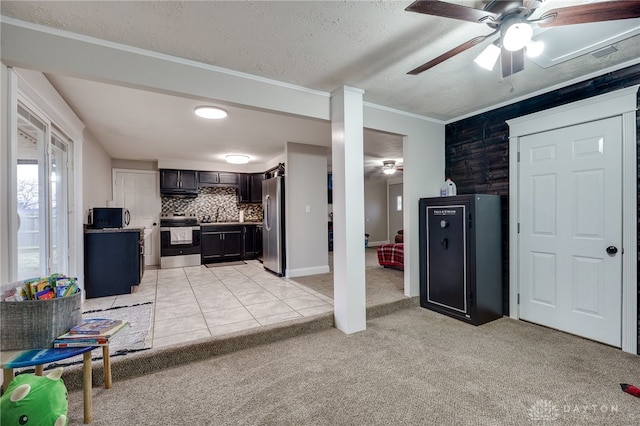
<point>399,203</point>
<point>42,189</point>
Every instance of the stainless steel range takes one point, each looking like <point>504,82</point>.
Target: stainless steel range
<point>179,240</point>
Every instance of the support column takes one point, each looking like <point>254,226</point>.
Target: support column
<point>348,210</point>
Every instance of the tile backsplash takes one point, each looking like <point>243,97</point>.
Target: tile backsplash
<point>214,201</point>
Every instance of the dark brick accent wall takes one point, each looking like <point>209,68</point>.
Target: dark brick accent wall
<point>477,148</point>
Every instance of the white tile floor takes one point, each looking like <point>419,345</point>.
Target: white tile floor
<point>216,301</point>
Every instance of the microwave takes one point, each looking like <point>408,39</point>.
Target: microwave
<point>109,217</point>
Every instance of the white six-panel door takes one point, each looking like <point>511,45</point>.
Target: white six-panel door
<point>138,191</point>
<point>570,213</point>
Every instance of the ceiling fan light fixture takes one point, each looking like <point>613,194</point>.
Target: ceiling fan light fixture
<point>488,58</point>
<point>388,167</point>
<point>237,158</point>
<point>517,36</point>
<point>534,48</point>
<point>210,112</point>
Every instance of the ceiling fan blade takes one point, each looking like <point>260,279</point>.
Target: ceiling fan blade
<point>512,62</point>
<point>591,12</point>
<point>464,46</point>
<point>450,10</point>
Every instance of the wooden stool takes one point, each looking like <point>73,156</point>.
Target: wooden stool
<point>38,357</point>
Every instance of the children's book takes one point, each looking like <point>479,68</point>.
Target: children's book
<point>71,340</point>
<point>102,327</point>
<point>77,343</point>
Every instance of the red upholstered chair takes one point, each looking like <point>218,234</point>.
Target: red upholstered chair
<point>391,255</point>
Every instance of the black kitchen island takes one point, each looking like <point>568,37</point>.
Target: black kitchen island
<point>113,260</point>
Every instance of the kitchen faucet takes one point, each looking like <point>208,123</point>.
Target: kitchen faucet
<point>217,213</point>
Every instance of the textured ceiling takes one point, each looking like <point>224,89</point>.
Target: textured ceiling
<point>319,45</point>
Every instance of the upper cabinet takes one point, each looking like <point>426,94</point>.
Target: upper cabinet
<point>250,188</point>
<point>218,179</point>
<point>178,182</point>
<point>186,183</point>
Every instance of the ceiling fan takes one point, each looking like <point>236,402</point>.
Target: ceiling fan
<point>511,19</point>
<point>389,167</point>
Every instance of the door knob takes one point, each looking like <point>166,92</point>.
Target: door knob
<point>611,250</point>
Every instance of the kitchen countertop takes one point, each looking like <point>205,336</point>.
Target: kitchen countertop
<point>105,230</point>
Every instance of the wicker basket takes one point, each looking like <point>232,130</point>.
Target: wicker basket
<point>33,324</point>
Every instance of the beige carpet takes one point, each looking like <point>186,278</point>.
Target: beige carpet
<point>412,367</point>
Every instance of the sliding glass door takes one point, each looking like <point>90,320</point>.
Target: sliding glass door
<point>42,179</point>
<point>58,204</point>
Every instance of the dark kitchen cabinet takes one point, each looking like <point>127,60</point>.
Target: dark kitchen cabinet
<point>113,262</point>
<point>220,243</point>
<point>217,179</point>
<point>176,182</point>
<point>208,178</point>
<point>259,240</point>
<point>250,188</point>
<point>460,256</point>
<point>256,187</point>
<point>252,241</point>
<point>227,178</point>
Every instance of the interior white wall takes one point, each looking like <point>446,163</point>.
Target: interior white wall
<point>97,175</point>
<point>117,163</point>
<point>375,211</point>
<point>395,217</point>
<point>306,241</point>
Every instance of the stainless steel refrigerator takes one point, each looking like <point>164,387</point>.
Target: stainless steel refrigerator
<point>273,224</point>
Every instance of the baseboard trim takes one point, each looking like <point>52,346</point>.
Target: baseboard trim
<point>377,243</point>
<point>301,272</point>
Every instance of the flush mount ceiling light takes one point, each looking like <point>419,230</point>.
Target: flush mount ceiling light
<point>388,167</point>
<point>210,112</point>
<point>237,158</point>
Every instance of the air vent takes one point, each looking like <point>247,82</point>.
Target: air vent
<point>604,52</point>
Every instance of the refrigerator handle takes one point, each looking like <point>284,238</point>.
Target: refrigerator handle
<point>266,212</point>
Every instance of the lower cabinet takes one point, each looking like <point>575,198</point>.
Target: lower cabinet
<point>113,261</point>
<point>252,241</point>
<point>220,243</point>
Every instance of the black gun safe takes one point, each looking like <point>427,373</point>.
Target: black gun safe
<point>460,257</point>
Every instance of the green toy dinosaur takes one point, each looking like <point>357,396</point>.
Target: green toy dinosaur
<point>35,401</point>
